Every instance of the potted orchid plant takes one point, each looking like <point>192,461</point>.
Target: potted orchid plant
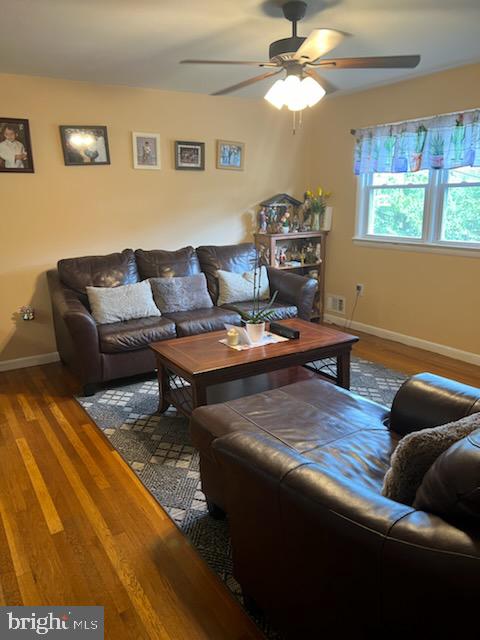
<point>260,312</point>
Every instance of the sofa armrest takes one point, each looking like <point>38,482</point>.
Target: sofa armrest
<point>75,330</point>
<point>294,289</point>
<point>426,400</point>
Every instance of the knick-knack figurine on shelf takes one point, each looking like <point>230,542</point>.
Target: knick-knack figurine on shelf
<point>295,222</point>
<point>285,220</point>
<point>262,220</point>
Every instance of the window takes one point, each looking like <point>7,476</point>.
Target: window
<point>435,207</point>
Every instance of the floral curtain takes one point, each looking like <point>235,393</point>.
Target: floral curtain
<point>442,142</point>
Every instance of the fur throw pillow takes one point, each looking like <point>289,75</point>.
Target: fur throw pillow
<point>417,451</point>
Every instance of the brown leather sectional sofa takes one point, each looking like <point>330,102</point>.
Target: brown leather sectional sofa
<point>299,471</point>
<point>98,353</point>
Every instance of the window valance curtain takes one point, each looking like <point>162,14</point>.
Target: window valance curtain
<point>441,142</point>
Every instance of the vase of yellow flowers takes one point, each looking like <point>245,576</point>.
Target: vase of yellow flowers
<point>316,204</point>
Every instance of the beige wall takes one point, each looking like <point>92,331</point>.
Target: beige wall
<point>432,297</point>
<point>64,211</point>
<point>68,211</point>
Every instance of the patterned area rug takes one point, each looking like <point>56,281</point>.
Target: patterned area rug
<point>158,449</point>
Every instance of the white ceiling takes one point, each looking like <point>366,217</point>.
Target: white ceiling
<point>140,42</point>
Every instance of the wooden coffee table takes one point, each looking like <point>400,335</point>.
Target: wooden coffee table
<point>215,372</point>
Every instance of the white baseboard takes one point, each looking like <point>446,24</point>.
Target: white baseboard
<point>30,361</point>
<point>443,349</point>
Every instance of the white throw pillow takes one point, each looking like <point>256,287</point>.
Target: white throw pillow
<point>238,287</point>
<point>115,304</point>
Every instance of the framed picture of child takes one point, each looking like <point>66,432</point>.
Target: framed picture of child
<point>84,145</point>
<point>146,150</point>
<point>15,146</point>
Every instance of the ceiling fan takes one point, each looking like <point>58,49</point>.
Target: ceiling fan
<point>300,57</point>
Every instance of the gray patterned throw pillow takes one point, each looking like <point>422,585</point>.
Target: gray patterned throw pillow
<point>181,294</point>
<point>117,304</point>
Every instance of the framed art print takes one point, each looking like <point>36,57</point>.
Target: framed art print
<point>189,155</point>
<point>146,150</point>
<point>15,146</point>
<point>230,155</point>
<point>84,145</point>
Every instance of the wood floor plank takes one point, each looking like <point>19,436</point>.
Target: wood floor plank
<point>26,583</point>
<point>23,402</point>
<point>152,622</point>
<point>44,498</point>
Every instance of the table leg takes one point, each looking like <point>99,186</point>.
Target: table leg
<point>199,395</point>
<point>163,388</point>
<point>343,369</point>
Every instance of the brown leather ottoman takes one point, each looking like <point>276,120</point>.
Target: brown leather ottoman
<point>305,416</point>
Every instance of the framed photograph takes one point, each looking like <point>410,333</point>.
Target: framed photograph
<point>146,150</point>
<point>189,155</point>
<point>15,146</point>
<point>84,145</point>
<point>230,155</point>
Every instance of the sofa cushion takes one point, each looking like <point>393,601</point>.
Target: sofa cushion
<point>190,323</point>
<point>134,334</point>
<point>415,454</point>
<point>451,487</point>
<point>237,258</point>
<point>280,311</point>
<point>111,270</point>
<point>158,263</point>
<point>238,287</point>
<point>181,294</point>
<point>116,304</point>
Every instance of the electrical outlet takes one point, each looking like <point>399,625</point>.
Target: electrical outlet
<point>360,289</point>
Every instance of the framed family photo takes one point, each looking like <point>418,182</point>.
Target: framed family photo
<point>84,145</point>
<point>146,150</point>
<point>15,146</point>
<point>189,155</point>
<point>230,155</point>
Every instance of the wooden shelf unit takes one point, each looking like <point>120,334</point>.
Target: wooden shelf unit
<point>266,243</point>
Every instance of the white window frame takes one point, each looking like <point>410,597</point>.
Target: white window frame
<point>435,193</point>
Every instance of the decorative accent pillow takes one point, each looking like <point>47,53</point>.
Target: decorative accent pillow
<point>115,304</point>
<point>181,294</point>
<point>238,287</point>
<point>415,454</point>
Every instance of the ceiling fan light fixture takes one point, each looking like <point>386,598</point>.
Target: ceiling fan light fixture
<point>293,94</point>
<point>276,94</point>
<point>312,91</point>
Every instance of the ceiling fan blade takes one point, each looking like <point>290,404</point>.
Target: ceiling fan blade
<point>318,43</point>
<point>328,86</point>
<point>246,83</point>
<point>247,62</point>
<point>381,62</point>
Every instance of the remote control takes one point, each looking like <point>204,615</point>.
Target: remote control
<point>282,330</point>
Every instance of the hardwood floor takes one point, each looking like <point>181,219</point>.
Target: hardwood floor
<point>78,527</point>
